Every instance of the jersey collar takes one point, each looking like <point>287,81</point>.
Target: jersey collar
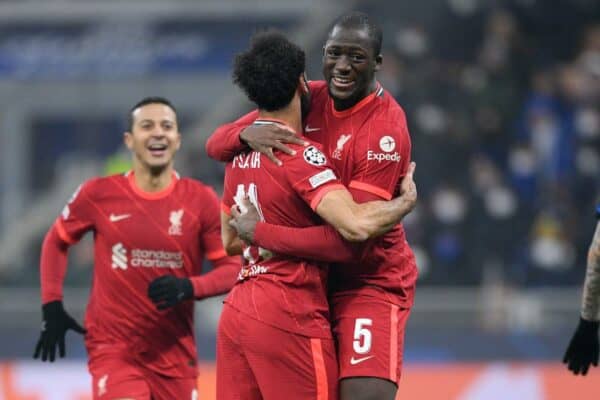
<point>358,106</point>
<point>152,195</point>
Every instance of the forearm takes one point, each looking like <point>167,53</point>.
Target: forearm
<point>225,143</point>
<point>590,308</point>
<point>379,217</point>
<point>320,243</point>
<point>53,267</point>
<point>217,281</point>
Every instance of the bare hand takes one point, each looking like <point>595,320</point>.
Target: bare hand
<point>265,138</point>
<point>244,221</point>
<point>408,188</point>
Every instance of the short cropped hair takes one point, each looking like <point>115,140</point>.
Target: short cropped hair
<point>360,20</point>
<point>268,71</point>
<point>145,101</point>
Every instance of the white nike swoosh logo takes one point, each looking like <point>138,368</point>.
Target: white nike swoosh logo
<point>115,218</point>
<point>354,361</point>
<point>309,129</point>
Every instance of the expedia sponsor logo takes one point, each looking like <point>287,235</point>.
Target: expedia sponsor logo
<point>379,157</point>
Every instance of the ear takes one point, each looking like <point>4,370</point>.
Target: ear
<point>378,62</point>
<point>178,142</point>
<point>128,140</point>
<point>303,84</point>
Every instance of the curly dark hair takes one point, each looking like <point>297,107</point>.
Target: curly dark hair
<point>268,71</point>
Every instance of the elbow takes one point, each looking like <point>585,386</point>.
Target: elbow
<point>355,233</point>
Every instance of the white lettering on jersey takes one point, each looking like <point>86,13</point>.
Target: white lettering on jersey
<point>321,178</point>
<point>145,258</point>
<point>251,160</point>
<point>119,256</point>
<point>379,157</point>
<point>314,156</point>
<point>175,219</point>
<point>250,271</point>
<point>337,153</point>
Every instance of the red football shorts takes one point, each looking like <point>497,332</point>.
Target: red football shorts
<point>115,376</point>
<point>370,336</point>
<point>256,361</point>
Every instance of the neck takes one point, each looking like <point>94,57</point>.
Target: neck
<point>344,104</point>
<point>290,114</point>
<point>150,180</point>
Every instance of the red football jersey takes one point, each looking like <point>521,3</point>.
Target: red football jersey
<point>138,237</point>
<point>370,146</point>
<point>285,292</point>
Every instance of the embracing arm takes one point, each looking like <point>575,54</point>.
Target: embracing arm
<point>353,221</point>
<point>263,136</point>
<point>225,143</point>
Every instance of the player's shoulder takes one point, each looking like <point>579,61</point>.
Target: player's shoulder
<point>312,154</point>
<point>389,110</point>
<point>100,186</point>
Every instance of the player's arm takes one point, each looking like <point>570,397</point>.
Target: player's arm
<point>231,139</point>
<point>225,143</point>
<point>67,230</point>
<point>359,222</point>
<point>320,243</point>
<point>324,243</point>
<point>583,349</point>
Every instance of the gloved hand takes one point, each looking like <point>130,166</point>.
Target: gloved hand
<point>583,348</point>
<point>55,325</point>
<point>168,290</point>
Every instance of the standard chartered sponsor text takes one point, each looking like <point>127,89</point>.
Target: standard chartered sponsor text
<point>156,259</point>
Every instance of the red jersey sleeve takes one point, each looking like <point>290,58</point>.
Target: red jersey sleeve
<point>211,227</point>
<point>224,143</point>
<point>310,174</point>
<point>381,157</point>
<point>78,215</point>
<point>228,192</point>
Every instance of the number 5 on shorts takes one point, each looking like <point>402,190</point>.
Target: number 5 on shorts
<point>362,336</point>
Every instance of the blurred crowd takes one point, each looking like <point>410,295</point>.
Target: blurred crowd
<point>503,107</point>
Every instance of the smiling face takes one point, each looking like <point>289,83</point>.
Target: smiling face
<point>154,137</point>
<point>349,65</point>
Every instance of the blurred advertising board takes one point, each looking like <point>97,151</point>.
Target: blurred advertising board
<point>27,380</point>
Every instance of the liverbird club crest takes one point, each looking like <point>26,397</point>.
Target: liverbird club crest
<point>175,220</point>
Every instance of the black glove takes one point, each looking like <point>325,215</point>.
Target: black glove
<point>55,325</point>
<point>583,348</point>
<point>168,290</point>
